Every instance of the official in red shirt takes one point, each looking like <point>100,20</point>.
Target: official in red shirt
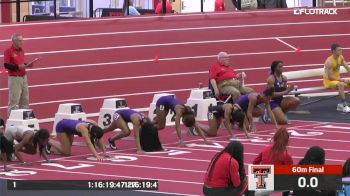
<point>226,174</point>
<point>17,80</point>
<point>224,80</point>
<point>276,153</point>
<point>159,8</point>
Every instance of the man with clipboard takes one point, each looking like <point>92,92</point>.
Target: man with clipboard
<point>17,80</point>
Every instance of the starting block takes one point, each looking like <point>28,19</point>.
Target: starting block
<point>170,118</point>
<point>24,117</point>
<point>199,101</point>
<point>109,107</point>
<point>68,111</point>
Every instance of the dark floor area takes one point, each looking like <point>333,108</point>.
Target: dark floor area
<point>324,110</point>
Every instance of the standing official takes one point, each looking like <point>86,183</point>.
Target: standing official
<point>17,80</point>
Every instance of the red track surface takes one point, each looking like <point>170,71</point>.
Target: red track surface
<point>120,63</point>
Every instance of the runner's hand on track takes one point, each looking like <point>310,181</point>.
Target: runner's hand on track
<point>99,158</point>
<point>27,163</point>
<point>140,152</point>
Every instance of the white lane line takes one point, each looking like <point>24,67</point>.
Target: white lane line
<point>245,153</point>
<point>139,166</point>
<point>285,43</point>
<point>187,29</point>
<point>177,43</point>
<point>134,94</point>
<point>108,175</point>
<point>289,146</point>
<point>112,79</point>
<point>104,97</point>
<point>147,76</point>
<point>158,157</point>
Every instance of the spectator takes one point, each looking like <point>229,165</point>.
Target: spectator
<point>14,62</point>
<point>276,153</point>
<point>132,10</point>
<point>332,78</point>
<point>272,3</point>
<point>226,174</point>
<point>224,80</point>
<point>159,8</point>
<point>314,156</point>
<point>219,5</point>
<point>346,168</point>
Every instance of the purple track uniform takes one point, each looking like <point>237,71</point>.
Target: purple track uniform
<point>168,103</point>
<point>243,102</point>
<point>279,86</point>
<point>126,114</point>
<point>69,126</point>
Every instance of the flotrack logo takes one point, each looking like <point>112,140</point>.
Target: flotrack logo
<point>315,11</point>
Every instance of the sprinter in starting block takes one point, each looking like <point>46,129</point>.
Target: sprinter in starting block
<point>29,141</point>
<point>249,104</point>
<point>166,103</point>
<point>146,134</point>
<point>6,147</point>
<point>231,113</point>
<point>67,128</point>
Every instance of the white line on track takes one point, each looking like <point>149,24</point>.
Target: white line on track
<point>112,79</point>
<point>159,157</point>
<point>178,43</point>
<point>285,43</point>
<point>104,97</point>
<point>289,146</point>
<point>327,131</point>
<point>142,77</point>
<point>108,175</point>
<point>123,95</point>
<point>150,60</point>
<point>122,150</point>
<point>190,29</point>
<point>137,166</point>
<point>314,139</point>
<point>245,153</point>
<point>149,76</point>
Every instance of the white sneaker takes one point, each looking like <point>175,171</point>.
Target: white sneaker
<point>346,109</point>
<point>340,107</point>
<point>13,158</point>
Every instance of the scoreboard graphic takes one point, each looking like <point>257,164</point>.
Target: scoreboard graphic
<point>294,177</point>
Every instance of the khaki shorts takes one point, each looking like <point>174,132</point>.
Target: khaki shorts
<point>233,83</point>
